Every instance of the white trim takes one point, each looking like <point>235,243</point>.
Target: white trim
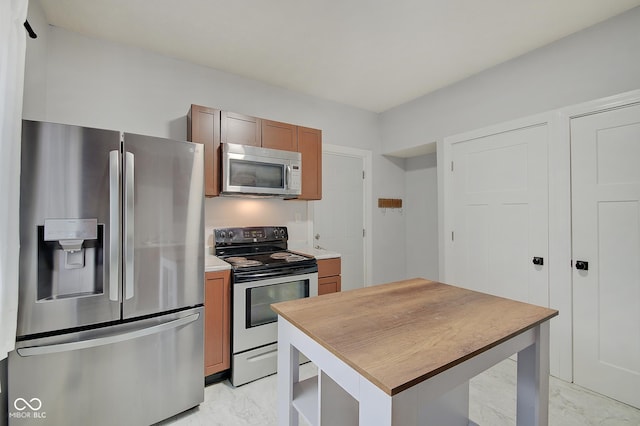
<point>598,105</point>
<point>560,297</point>
<point>367,162</point>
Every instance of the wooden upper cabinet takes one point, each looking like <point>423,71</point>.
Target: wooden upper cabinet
<point>211,127</point>
<point>241,129</point>
<point>278,135</point>
<point>310,146</point>
<point>203,126</point>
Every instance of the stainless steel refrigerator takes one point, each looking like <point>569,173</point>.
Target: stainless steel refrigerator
<point>110,316</point>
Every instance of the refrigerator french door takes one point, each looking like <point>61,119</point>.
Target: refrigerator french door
<point>111,277</point>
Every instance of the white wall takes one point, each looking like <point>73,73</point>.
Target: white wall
<point>421,212</point>
<point>78,80</point>
<point>388,236</point>
<point>599,61</point>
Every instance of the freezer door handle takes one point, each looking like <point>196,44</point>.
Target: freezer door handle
<point>107,340</point>
<point>129,215</point>
<point>114,224</point>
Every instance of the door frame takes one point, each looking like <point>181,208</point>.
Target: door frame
<point>563,293</point>
<point>559,238</point>
<point>367,162</point>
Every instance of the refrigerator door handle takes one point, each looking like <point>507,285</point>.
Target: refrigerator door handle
<point>128,225</point>
<point>114,224</point>
<point>107,340</point>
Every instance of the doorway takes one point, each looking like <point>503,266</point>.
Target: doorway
<point>342,219</point>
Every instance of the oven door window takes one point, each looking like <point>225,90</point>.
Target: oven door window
<point>259,300</point>
<point>256,174</point>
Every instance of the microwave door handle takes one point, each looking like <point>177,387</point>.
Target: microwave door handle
<point>287,177</point>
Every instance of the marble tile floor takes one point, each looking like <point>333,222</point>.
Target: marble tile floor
<point>492,403</point>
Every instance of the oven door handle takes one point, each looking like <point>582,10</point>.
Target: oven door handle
<point>241,278</point>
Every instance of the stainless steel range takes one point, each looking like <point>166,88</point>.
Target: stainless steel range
<point>263,272</point>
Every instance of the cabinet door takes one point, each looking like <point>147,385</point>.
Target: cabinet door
<point>328,285</point>
<point>217,323</point>
<point>240,129</point>
<point>278,135</point>
<point>310,146</point>
<point>203,126</point>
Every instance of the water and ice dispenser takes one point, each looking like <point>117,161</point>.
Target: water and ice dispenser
<point>70,258</point>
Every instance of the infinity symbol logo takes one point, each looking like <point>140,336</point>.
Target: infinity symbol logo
<point>21,404</point>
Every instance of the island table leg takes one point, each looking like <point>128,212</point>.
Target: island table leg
<point>375,406</point>
<point>288,375</point>
<point>533,381</point>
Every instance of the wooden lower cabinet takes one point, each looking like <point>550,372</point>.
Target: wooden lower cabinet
<point>329,280</point>
<point>217,322</point>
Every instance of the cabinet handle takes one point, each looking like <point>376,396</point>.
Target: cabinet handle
<point>582,265</point>
<point>538,261</point>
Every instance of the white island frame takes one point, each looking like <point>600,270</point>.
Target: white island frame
<point>342,395</point>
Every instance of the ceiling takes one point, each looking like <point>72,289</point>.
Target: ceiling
<point>370,54</point>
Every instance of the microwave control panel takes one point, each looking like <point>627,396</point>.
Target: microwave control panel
<point>296,177</point>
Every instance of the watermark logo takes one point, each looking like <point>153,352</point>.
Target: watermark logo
<point>28,409</point>
<point>22,404</point>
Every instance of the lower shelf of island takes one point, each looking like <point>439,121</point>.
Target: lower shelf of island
<point>321,401</point>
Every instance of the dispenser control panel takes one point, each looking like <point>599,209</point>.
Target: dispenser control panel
<point>70,229</point>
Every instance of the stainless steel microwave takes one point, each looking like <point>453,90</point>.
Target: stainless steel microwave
<point>250,170</point>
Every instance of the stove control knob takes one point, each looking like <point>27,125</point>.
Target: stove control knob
<point>223,235</point>
<point>230,235</point>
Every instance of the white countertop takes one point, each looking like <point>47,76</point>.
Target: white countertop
<point>318,253</point>
<point>214,264</point>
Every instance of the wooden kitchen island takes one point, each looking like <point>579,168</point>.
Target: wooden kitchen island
<point>403,353</point>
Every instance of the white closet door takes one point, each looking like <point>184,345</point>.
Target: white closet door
<point>605,178</point>
<point>500,208</point>
<point>339,216</point>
